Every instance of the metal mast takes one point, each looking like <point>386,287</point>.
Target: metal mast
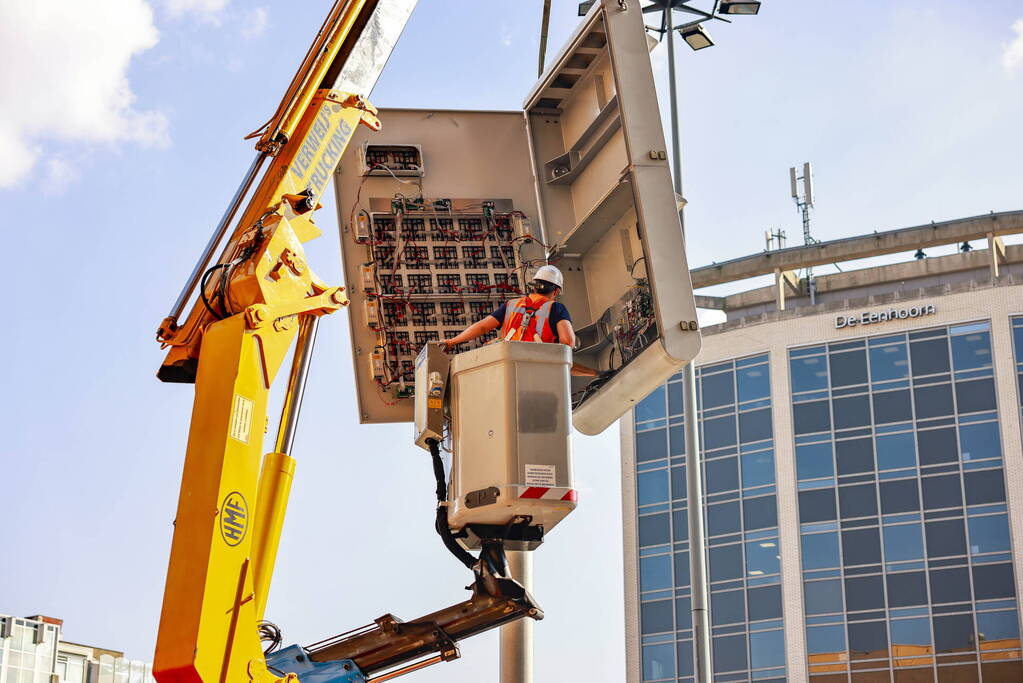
<point>803,204</point>
<point>694,34</point>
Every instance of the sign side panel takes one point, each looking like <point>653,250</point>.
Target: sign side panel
<point>656,206</point>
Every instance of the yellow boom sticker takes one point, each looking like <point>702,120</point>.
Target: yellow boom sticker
<point>241,418</point>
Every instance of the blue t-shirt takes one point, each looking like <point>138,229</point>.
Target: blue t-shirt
<point>558,313</point>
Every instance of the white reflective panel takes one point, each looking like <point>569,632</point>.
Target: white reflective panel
<point>617,233</point>
<point>121,670</point>
<point>138,672</point>
<point>106,669</point>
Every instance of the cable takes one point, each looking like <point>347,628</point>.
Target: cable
<point>204,282</point>
<point>403,182</point>
<point>269,631</point>
<point>633,266</point>
<point>438,471</point>
<point>441,524</point>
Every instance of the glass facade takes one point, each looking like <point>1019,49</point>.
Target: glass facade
<point>904,535</point>
<point>742,526</point>
<point>904,542</point>
<point>31,652</point>
<point>1017,347</point>
<point>122,670</point>
<point>28,650</point>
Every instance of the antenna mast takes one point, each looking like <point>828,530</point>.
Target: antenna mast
<point>803,204</point>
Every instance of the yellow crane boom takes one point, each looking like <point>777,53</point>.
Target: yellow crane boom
<point>251,305</point>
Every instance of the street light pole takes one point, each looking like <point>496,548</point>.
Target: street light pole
<point>517,637</point>
<point>694,467</point>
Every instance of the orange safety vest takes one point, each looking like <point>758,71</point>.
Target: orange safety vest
<point>523,318</point>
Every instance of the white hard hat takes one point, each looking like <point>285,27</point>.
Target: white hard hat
<point>550,274</point>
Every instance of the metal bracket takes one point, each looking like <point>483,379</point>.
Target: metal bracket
<point>487,496</point>
<point>332,299</point>
<point>350,100</point>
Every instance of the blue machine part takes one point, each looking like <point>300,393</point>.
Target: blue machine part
<point>294,659</point>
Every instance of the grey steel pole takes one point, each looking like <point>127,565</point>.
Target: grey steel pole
<point>517,637</point>
<point>694,468</point>
<point>697,542</point>
<point>296,383</point>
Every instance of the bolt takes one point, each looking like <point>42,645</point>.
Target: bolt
<point>337,297</point>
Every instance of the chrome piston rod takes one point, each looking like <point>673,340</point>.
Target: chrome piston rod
<point>296,383</point>
<point>216,238</point>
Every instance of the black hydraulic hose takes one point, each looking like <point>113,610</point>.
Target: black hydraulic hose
<point>460,553</point>
<point>438,470</point>
<point>493,555</point>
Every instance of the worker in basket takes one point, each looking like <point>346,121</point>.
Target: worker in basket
<point>537,316</point>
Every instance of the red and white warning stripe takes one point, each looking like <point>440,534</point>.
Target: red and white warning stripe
<point>548,493</point>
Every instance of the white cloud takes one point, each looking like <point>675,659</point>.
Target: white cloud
<point>1012,54</point>
<point>59,174</point>
<point>209,11</point>
<point>506,35</point>
<point>67,64</point>
<point>254,23</point>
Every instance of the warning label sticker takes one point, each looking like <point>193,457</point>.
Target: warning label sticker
<point>241,418</point>
<point>540,475</point>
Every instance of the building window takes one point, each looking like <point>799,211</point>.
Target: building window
<point>71,668</point>
<point>735,415</point>
<point>905,544</point>
<point>658,662</point>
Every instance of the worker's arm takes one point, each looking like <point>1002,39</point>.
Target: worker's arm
<point>477,329</point>
<point>566,335</point>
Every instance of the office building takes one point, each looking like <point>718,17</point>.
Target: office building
<point>32,651</point>
<point>862,467</point>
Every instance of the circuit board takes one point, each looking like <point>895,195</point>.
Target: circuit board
<point>433,266</point>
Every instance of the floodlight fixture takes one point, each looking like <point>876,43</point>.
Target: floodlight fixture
<point>919,255</point>
<point>584,7</point>
<point>696,36</point>
<point>738,7</point>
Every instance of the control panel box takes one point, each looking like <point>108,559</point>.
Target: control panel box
<point>581,178</point>
<point>404,161</point>
<point>432,365</point>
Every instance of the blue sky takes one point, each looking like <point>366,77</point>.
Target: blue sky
<point>122,125</point>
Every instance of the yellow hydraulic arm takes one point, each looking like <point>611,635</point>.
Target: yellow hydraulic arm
<point>252,303</point>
